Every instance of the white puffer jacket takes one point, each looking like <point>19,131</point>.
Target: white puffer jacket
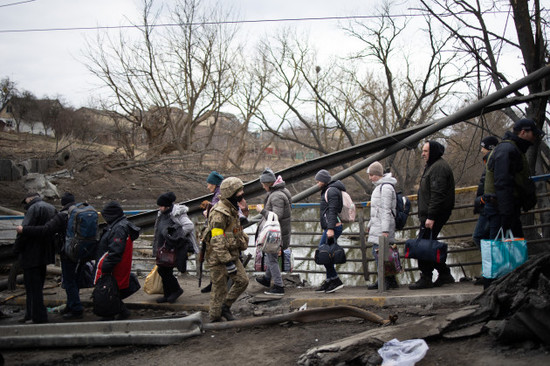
<point>382,209</point>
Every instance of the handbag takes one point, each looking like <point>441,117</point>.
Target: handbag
<point>270,235</point>
<point>426,249</point>
<point>153,282</point>
<point>106,296</point>
<point>330,253</point>
<point>166,257</point>
<point>502,255</point>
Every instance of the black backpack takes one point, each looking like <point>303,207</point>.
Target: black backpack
<point>402,208</point>
<point>106,296</point>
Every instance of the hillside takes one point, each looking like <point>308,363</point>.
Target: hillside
<point>98,173</point>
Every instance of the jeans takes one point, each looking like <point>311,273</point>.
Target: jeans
<point>272,270</point>
<point>482,230</point>
<point>331,271</point>
<point>70,282</point>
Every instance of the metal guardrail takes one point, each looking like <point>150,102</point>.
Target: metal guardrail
<point>360,255</point>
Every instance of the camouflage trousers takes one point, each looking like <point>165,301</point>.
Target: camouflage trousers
<point>219,295</point>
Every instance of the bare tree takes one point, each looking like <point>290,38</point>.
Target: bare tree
<point>8,89</point>
<point>171,79</point>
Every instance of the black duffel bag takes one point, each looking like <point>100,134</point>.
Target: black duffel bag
<point>330,253</point>
<point>426,249</point>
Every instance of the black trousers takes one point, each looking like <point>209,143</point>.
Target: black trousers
<point>427,267</point>
<point>34,278</point>
<point>169,281</point>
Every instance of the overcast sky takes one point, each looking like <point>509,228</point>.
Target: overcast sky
<point>49,63</point>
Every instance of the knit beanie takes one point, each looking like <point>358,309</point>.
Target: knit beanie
<point>376,169</point>
<point>214,178</point>
<point>112,211</point>
<point>67,198</point>
<point>323,176</point>
<point>267,176</point>
<point>166,199</point>
<point>489,142</point>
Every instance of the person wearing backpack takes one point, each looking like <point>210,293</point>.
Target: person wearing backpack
<point>70,270</point>
<point>169,234</point>
<point>278,201</point>
<point>33,255</point>
<point>382,220</point>
<point>331,206</point>
<point>115,251</point>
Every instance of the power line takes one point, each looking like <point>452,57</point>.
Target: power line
<point>162,25</point>
<point>17,3</point>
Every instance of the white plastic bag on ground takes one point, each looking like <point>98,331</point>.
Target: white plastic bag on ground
<point>406,353</point>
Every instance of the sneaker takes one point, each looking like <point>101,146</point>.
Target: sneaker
<point>335,284</point>
<point>373,286</point>
<point>161,300</point>
<point>275,290</point>
<point>72,316</point>
<point>172,298</point>
<point>263,281</point>
<point>444,279</point>
<point>323,287</point>
<point>423,282</point>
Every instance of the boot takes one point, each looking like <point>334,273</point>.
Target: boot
<point>423,282</point>
<point>391,282</point>
<point>226,313</point>
<point>207,289</point>
<point>443,279</point>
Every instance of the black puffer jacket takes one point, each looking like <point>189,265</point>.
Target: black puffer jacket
<point>478,203</point>
<point>56,226</point>
<point>330,209</point>
<point>436,194</point>
<point>506,161</point>
<point>37,251</point>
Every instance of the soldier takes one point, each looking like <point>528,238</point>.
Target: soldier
<point>227,240</point>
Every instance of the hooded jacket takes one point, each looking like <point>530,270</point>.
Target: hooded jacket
<point>115,250</point>
<point>330,208</point>
<point>278,200</point>
<point>35,251</point>
<point>382,209</point>
<point>436,193</point>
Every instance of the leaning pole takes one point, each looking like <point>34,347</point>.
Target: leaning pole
<point>461,115</point>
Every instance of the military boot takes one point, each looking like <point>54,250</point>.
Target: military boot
<point>226,313</point>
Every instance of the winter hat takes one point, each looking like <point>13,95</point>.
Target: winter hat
<point>267,176</point>
<point>214,178</point>
<point>489,142</point>
<point>67,198</point>
<point>112,211</point>
<point>376,169</point>
<point>166,199</point>
<point>323,176</point>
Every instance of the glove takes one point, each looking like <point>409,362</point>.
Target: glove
<point>506,222</point>
<point>478,204</point>
<point>243,220</point>
<point>230,267</point>
<point>330,240</point>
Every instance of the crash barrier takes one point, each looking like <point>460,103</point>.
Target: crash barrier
<point>464,257</point>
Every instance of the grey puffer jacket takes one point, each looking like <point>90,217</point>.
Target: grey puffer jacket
<point>278,200</point>
<point>382,209</point>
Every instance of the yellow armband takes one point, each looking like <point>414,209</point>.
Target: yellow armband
<point>216,232</point>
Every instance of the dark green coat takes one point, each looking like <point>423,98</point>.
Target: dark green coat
<point>436,194</point>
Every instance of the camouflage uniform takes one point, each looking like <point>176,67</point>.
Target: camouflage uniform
<point>226,241</point>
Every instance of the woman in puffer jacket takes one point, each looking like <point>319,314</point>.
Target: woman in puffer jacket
<point>382,211</point>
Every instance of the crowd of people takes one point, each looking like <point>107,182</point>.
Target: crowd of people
<point>504,190</point>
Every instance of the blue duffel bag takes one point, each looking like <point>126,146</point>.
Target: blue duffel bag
<point>426,249</point>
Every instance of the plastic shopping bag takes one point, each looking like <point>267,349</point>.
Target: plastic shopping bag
<point>153,283</point>
<point>406,353</point>
<point>502,255</point>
